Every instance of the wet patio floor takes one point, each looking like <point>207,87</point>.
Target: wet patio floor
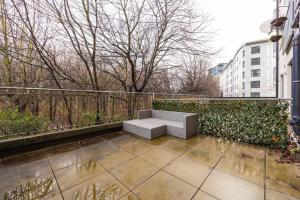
<point>123,166</point>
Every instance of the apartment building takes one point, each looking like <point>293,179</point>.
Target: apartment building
<point>290,14</point>
<point>252,71</point>
<point>217,70</point>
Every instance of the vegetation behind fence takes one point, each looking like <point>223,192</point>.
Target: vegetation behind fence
<point>31,111</point>
<point>262,122</point>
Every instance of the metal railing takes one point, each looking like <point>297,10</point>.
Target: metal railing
<point>28,111</point>
<point>163,96</point>
<point>25,111</point>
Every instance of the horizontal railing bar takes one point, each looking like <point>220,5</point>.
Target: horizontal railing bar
<point>226,99</point>
<point>90,91</point>
<point>199,97</point>
<point>66,90</point>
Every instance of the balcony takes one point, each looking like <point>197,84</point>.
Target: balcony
<point>291,23</point>
<point>118,165</point>
<point>295,23</point>
<point>276,23</point>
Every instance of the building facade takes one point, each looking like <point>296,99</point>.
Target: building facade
<point>288,9</point>
<point>252,71</point>
<point>217,70</point>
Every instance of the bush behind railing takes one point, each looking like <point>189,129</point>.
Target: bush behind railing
<point>261,122</point>
<point>31,111</point>
<point>13,122</point>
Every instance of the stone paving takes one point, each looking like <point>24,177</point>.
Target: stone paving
<point>123,166</point>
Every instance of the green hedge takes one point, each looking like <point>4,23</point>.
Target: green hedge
<point>256,122</point>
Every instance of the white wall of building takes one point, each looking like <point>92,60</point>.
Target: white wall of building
<point>285,48</point>
<point>236,78</point>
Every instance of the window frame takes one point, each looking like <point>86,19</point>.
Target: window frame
<point>253,86</point>
<point>255,50</point>
<point>255,63</point>
<point>253,70</point>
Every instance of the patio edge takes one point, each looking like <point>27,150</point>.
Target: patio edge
<point>9,144</point>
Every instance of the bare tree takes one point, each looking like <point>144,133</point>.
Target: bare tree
<point>5,45</point>
<point>162,82</point>
<point>17,53</point>
<point>194,77</point>
<point>141,37</point>
<point>79,24</point>
<point>127,40</point>
<point>40,31</point>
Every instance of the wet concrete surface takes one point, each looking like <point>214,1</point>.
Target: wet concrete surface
<point>124,166</point>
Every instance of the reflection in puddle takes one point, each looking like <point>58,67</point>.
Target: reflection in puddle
<point>96,192</point>
<point>246,166</point>
<point>245,155</point>
<point>206,157</point>
<point>87,166</point>
<point>245,161</point>
<point>131,197</point>
<point>36,189</point>
<point>208,152</point>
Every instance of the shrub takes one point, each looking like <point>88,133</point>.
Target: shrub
<point>87,119</point>
<point>13,122</point>
<point>91,118</point>
<point>118,118</point>
<point>257,122</point>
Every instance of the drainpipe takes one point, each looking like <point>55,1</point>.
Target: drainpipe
<point>295,122</point>
<point>277,52</point>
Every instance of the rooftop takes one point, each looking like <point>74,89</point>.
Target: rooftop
<point>122,166</point>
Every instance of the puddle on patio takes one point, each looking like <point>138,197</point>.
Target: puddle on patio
<point>245,161</point>
<point>130,196</point>
<point>98,192</point>
<point>36,189</point>
<point>134,172</point>
<point>103,186</point>
<point>107,192</point>
<point>163,186</point>
<point>208,150</point>
<point>70,176</point>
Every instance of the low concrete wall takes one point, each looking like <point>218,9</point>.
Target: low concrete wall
<point>13,143</point>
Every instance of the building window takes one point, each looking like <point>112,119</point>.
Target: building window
<point>243,74</point>
<point>243,94</point>
<point>274,76</point>
<point>243,53</point>
<point>282,86</point>
<point>243,64</point>
<point>255,50</point>
<point>274,49</point>
<point>255,61</point>
<point>255,84</point>
<point>255,94</point>
<point>255,73</point>
<point>243,85</point>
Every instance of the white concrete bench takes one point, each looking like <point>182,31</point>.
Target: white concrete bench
<point>155,123</point>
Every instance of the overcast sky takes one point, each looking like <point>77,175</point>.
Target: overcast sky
<point>238,22</point>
